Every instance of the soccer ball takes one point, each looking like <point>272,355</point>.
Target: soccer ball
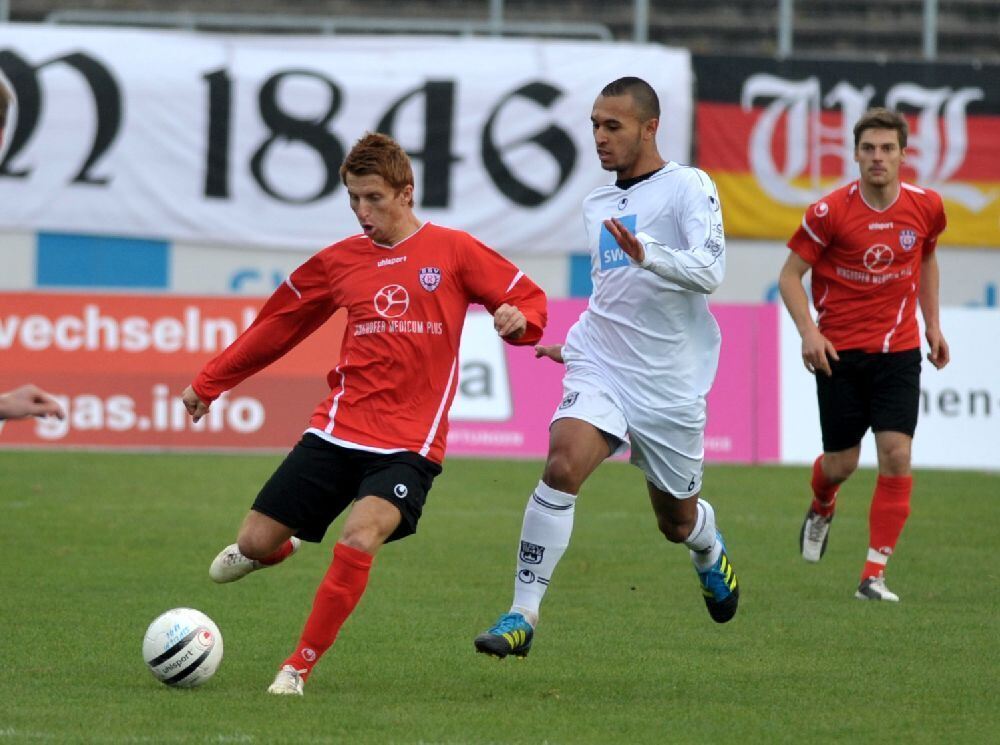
<point>182,647</point>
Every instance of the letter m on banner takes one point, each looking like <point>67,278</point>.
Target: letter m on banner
<point>29,95</point>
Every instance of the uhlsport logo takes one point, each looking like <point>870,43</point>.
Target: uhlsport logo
<point>430,278</point>
<point>907,239</point>
<point>392,301</point>
<point>400,491</point>
<point>308,654</point>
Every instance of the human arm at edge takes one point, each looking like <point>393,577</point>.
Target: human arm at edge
<point>816,348</point>
<point>929,297</point>
<point>29,400</point>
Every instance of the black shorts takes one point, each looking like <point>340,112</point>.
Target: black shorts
<point>318,480</point>
<point>868,389</point>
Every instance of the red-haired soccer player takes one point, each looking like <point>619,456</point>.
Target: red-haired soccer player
<point>870,245</point>
<point>378,439</point>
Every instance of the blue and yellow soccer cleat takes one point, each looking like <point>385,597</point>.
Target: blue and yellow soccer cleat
<point>511,634</point>
<point>720,586</point>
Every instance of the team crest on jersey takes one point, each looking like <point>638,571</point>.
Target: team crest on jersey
<point>532,553</point>
<point>430,278</point>
<point>568,400</point>
<point>907,239</point>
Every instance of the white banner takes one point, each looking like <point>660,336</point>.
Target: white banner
<point>237,139</point>
<point>959,423</point>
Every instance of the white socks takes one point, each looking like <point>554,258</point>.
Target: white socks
<point>545,534</point>
<point>705,549</point>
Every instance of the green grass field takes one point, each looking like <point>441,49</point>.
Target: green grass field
<point>96,545</point>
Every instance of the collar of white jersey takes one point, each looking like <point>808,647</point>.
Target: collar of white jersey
<point>667,168</point>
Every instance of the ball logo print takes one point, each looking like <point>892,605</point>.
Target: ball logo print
<point>182,647</point>
<point>392,301</point>
<point>878,258</point>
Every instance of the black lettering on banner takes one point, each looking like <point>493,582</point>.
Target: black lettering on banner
<point>220,107</point>
<point>553,139</point>
<point>23,77</point>
<point>288,128</point>
<point>476,380</point>
<point>439,107</point>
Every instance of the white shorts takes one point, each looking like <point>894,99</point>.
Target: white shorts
<point>668,442</point>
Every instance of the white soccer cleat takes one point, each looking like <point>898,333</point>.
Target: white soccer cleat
<point>814,535</point>
<point>873,588</point>
<point>288,682</point>
<point>230,565</point>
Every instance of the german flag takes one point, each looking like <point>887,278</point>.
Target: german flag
<point>777,135</point>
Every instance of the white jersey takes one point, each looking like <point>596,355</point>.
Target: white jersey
<point>648,326</point>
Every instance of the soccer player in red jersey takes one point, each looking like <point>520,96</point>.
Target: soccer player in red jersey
<point>378,439</point>
<point>870,246</point>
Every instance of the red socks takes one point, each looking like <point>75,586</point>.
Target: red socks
<point>283,552</point>
<point>889,510</point>
<point>336,598</point>
<point>824,492</point>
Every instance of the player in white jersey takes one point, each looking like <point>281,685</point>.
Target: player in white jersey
<point>639,362</point>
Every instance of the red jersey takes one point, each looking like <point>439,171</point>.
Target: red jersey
<point>406,306</point>
<point>866,265</point>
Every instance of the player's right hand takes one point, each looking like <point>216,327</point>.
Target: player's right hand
<point>29,400</point>
<point>552,351</point>
<point>817,351</point>
<point>194,405</point>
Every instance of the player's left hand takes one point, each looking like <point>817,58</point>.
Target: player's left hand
<point>509,322</point>
<point>625,240</point>
<point>940,355</point>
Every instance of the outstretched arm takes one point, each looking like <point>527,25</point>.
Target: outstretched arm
<point>298,307</point>
<point>552,351</point>
<point>29,400</point>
